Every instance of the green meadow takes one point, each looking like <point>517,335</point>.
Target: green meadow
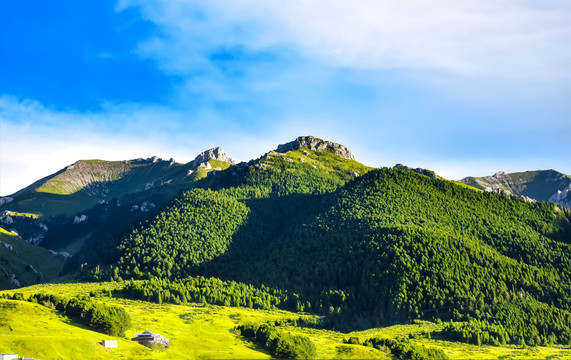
<point>199,331</point>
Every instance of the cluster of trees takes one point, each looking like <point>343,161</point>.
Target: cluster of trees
<point>401,349</point>
<point>279,343</point>
<point>197,227</point>
<point>395,245</point>
<point>206,290</point>
<point>478,332</point>
<point>524,321</point>
<point>107,319</point>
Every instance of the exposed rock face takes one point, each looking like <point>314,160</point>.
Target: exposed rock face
<point>79,219</point>
<point>5,200</point>
<point>147,206</point>
<point>213,154</point>
<point>426,172</point>
<point>205,165</point>
<point>62,254</point>
<point>562,196</point>
<point>6,219</point>
<point>14,280</point>
<point>316,144</point>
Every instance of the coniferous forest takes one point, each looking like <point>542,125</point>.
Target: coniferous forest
<point>364,247</point>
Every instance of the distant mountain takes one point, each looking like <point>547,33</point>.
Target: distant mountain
<point>88,182</point>
<point>542,185</point>
<point>64,210</point>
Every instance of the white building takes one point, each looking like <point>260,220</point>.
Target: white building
<point>110,343</point>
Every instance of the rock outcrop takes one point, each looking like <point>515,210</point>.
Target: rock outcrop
<point>426,172</point>
<point>5,200</point>
<point>313,143</point>
<point>213,154</point>
<point>79,218</point>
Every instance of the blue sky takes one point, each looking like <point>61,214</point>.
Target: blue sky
<point>463,88</point>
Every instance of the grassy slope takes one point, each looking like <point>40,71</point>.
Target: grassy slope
<point>32,330</point>
<point>16,257</point>
<point>67,193</point>
<point>199,332</point>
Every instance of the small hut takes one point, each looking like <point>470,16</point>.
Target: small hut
<point>148,339</point>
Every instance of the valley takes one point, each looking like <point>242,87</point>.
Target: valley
<point>207,332</point>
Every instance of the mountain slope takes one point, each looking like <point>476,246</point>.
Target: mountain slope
<point>361,246</point>
<point>541,185</point>
<point>201,224</point>
<point>91,202</point>
<point>23,264</point>
<point>386,246</point>
<point>89,190</point>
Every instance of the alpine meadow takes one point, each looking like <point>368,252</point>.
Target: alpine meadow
<point>303,253</point>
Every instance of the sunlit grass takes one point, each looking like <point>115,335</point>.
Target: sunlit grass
<point>203,332</point>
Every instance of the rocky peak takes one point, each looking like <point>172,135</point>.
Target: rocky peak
<point>500,175</point>
<point>213,154</point>
<point>316,144</point>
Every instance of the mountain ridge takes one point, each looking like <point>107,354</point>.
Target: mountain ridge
<point>540,185</point>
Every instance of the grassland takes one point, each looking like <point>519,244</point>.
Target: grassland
<point>203,332</point>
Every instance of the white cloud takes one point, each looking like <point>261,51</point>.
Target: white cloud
<point>250,104</point>
<point>36,141</point>
<point>504,38</point>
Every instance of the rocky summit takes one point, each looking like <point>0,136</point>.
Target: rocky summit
<point>316,144</point>
<point>216,153</point>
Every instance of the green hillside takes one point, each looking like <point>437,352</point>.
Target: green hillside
<point>310,230</point>
<point>66,210</point>
<point>23,264</point>
<point>86,183</point>
<point>389,245</point>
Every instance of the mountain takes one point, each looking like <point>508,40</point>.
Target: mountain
<point>86,183</point>
<point>362,247</point>
<point>541,185</point>
<point>93,200</point>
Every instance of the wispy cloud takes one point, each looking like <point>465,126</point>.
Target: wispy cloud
<point>506,38</point>
<point>36,141</point>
